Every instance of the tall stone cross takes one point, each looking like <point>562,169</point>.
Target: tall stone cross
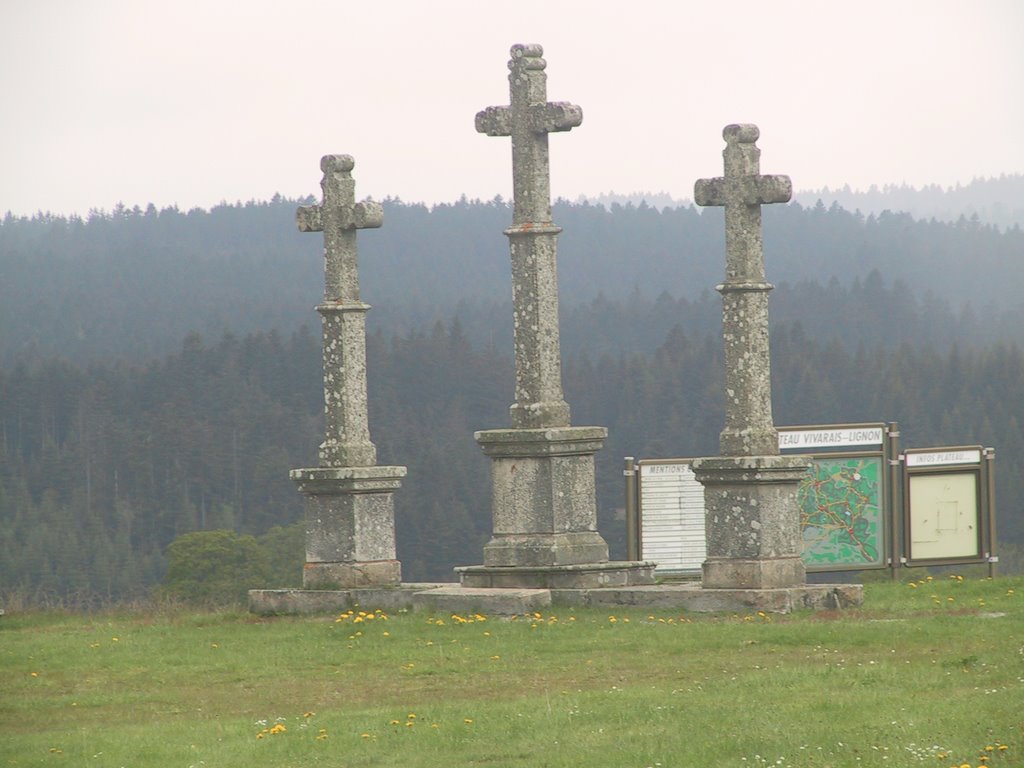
<point>347,435</point>
<point>528,120</point>
<point>749,430</point>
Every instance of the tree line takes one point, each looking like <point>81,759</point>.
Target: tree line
<point>103,466</point>
<point>130,284</point>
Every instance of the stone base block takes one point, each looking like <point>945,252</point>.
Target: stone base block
<point>689,596</point>
<point>729,573</point>
<point>273,602</point>
<point>539,550</point>
<point>586,576</point>
<point>543,501</point>
<point>487,602</point>
<point>380,573</point>
<point>694,598</point>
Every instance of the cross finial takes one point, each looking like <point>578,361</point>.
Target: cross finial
<point>528,119</point>
<point>742,191</point>
<point>338,217</point>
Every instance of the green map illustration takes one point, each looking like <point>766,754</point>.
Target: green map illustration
<point>841,512</point>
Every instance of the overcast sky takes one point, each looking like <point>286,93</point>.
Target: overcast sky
<point>195,102</point>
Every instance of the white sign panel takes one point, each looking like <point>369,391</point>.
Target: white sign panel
<point>672,517</point>
<point>943,458</point>
<point>829,437</point>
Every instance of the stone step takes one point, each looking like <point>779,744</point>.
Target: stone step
<point>483,600</point>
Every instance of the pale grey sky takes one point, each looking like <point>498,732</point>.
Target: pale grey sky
<point>195,102</point>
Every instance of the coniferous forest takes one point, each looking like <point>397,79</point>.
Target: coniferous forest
<point>160,370</point>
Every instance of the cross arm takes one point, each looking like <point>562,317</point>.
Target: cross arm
<point>555,116</point>
<point>709,192</point>
<point>494,121</point>
<point>772,189</point>
<point>368,214</point>
<point>310,218</point>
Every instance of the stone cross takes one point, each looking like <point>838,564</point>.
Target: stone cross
<point>749,430</point>
<point>528,120</point>
<point>347,435</point>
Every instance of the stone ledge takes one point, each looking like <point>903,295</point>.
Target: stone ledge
<point>488,602</point>
<point>693,597</point>
<point>453,598</point>
<point>270,602</point>
<point>541,442</point>
<point>580,576</point>
<point>345,480</point>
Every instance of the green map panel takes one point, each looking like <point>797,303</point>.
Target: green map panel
<point>841,513</point>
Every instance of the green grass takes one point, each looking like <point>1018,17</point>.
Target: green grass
<point>920,672</point>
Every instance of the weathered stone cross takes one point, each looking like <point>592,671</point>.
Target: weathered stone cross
<point>528,120</point>
<point>749,430</point>
<point>347,435</point>
<point>338,217</point>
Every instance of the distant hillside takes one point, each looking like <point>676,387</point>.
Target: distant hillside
<point>994,201</point>
<point>999,202</point>
<point>133,283</point>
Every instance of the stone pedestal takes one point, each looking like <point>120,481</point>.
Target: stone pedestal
<point>752,521</point>
<point>544,508</point>
<point>350,526</point>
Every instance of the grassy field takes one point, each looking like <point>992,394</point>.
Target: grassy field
<point>929,673</point>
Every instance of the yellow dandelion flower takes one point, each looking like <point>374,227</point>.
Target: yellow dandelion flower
<point>434,725</point>
<point>387,634</point>
<point>487,634</point>
<point>34,674</point>
<point>259,735</point>
<point>479,617</point>
<point>468,720</point>
<point>612,619</point>
<point>394,722</point>
<point>364,735</point>
<point>912,585</point>
<point>950,599</point>
<point>1003,747</point>
<point>990,748</point>
<point>410,724</point>
<point>411,716</point>
<point>308,715</point>
<point>495,658</point>
<point>115,639</point>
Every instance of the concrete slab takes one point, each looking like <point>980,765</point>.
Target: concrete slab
<point>452,598</point>
<point>270,602</point>
<point>693,598</point>
<point>485,601</point>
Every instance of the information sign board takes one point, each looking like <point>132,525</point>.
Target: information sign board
<point>672,516</point>
<point>944,504</point>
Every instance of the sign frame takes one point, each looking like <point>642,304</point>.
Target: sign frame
<point>924,468</point>
<point>645,527</point>
<point>872,440</point>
